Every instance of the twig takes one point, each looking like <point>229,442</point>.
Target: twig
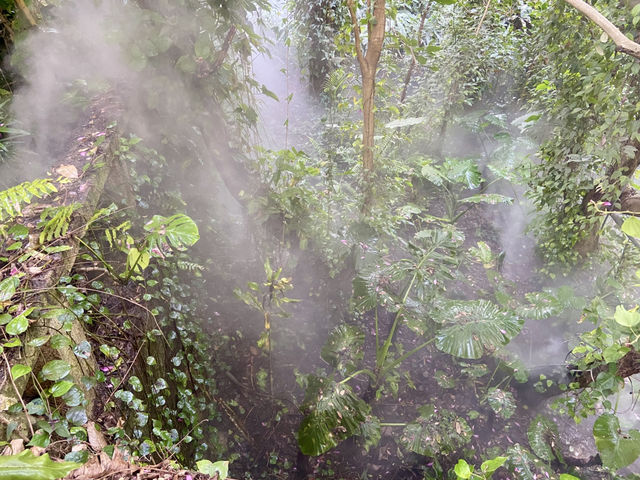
<point>27,13</point>
<point>407,77</point>
<point>15,388</point>
<point>484,14</point>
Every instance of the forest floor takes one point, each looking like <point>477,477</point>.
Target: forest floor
<point>271,420</point>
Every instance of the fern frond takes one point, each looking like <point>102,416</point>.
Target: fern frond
<point>12,199</point>
<point>58,223</point>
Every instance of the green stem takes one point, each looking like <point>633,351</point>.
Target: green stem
<point>355,374</point>
<point>388,424</point>
<point>381,358</point>
<point>99,257</point>
<point>402,358</point>
<point>133,267</point>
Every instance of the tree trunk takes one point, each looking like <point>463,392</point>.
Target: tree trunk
<point>368,66</point>
<point>627,166</point>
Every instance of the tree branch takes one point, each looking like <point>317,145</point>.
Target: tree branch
<point>225,48</point>
<point>356,30</point>
<point>375,31</point>
<point>27,13</point>
<point>623,44</point>
<point>407,77</point>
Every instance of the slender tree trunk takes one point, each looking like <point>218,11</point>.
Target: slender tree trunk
<point>368,66</point>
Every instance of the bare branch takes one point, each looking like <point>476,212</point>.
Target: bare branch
<point>623,44</point>
<point>356,30</point>
<point>484,14</point>
<point>27,13</point>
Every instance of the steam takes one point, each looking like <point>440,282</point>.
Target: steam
<point>89,47</point>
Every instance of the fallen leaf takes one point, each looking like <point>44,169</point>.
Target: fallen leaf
<point>37,451</point>
<point>96,439</point>
<point>67,171</point>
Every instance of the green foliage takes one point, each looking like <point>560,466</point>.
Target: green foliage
<point>435,432</point>
<point>54,222</point>
<point>581,86</point>
<point>177,231</point>
<point>334,413</point>
<point>454,175</point>
<point>501,402</point>
<point>344,348</point>
<point>12,199</point>
<point>465,471</point>
<point>472,327</point>
<point>524,464</point>
<point>544,438</point>
<point>27,466</point>
<point>616,448</point>
<point>219,469</point>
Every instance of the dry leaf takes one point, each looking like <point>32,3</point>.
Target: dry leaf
<point>37,451</point>
<point>67,171</point>
<point>96,439</point>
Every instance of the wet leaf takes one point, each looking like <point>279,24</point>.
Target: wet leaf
<point>617,449</point>
<point>501,402</point>
<point>343,349</point>
<point>20,370</point>
<point>60,388</point>
<point>626,318</point>
<point>473,327</point>
<point>29,467</point>
<point>219,469</point>
<point>8,288</point>
<point>336,413</point>
<point>631,227</point>
<point>55,370</point>
<point>543,438</point>
<point>435,432</point>
<point>462,469</point>
<point>18,325</point>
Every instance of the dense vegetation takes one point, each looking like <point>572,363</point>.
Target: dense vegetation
<point>330,239</point>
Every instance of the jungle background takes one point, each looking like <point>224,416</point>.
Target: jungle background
<point>326,239</point>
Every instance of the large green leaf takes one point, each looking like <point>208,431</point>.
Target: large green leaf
<point>8,288</point>
<point>544,438</point>
<point>501,402</point>
<point>462,170</point>
<point>55,370</point>
<point>524,464</point>
<point>435,432</point>
<point>343,349</point>
<point>335,413</point>
<point>370,432</point>
<point>617,449</point>
<point>221,468</point>
<point>179,231</point>
<point>626,318</point>
<point>631,227</point>
<point>471,327</point>
<point>26,466</point>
